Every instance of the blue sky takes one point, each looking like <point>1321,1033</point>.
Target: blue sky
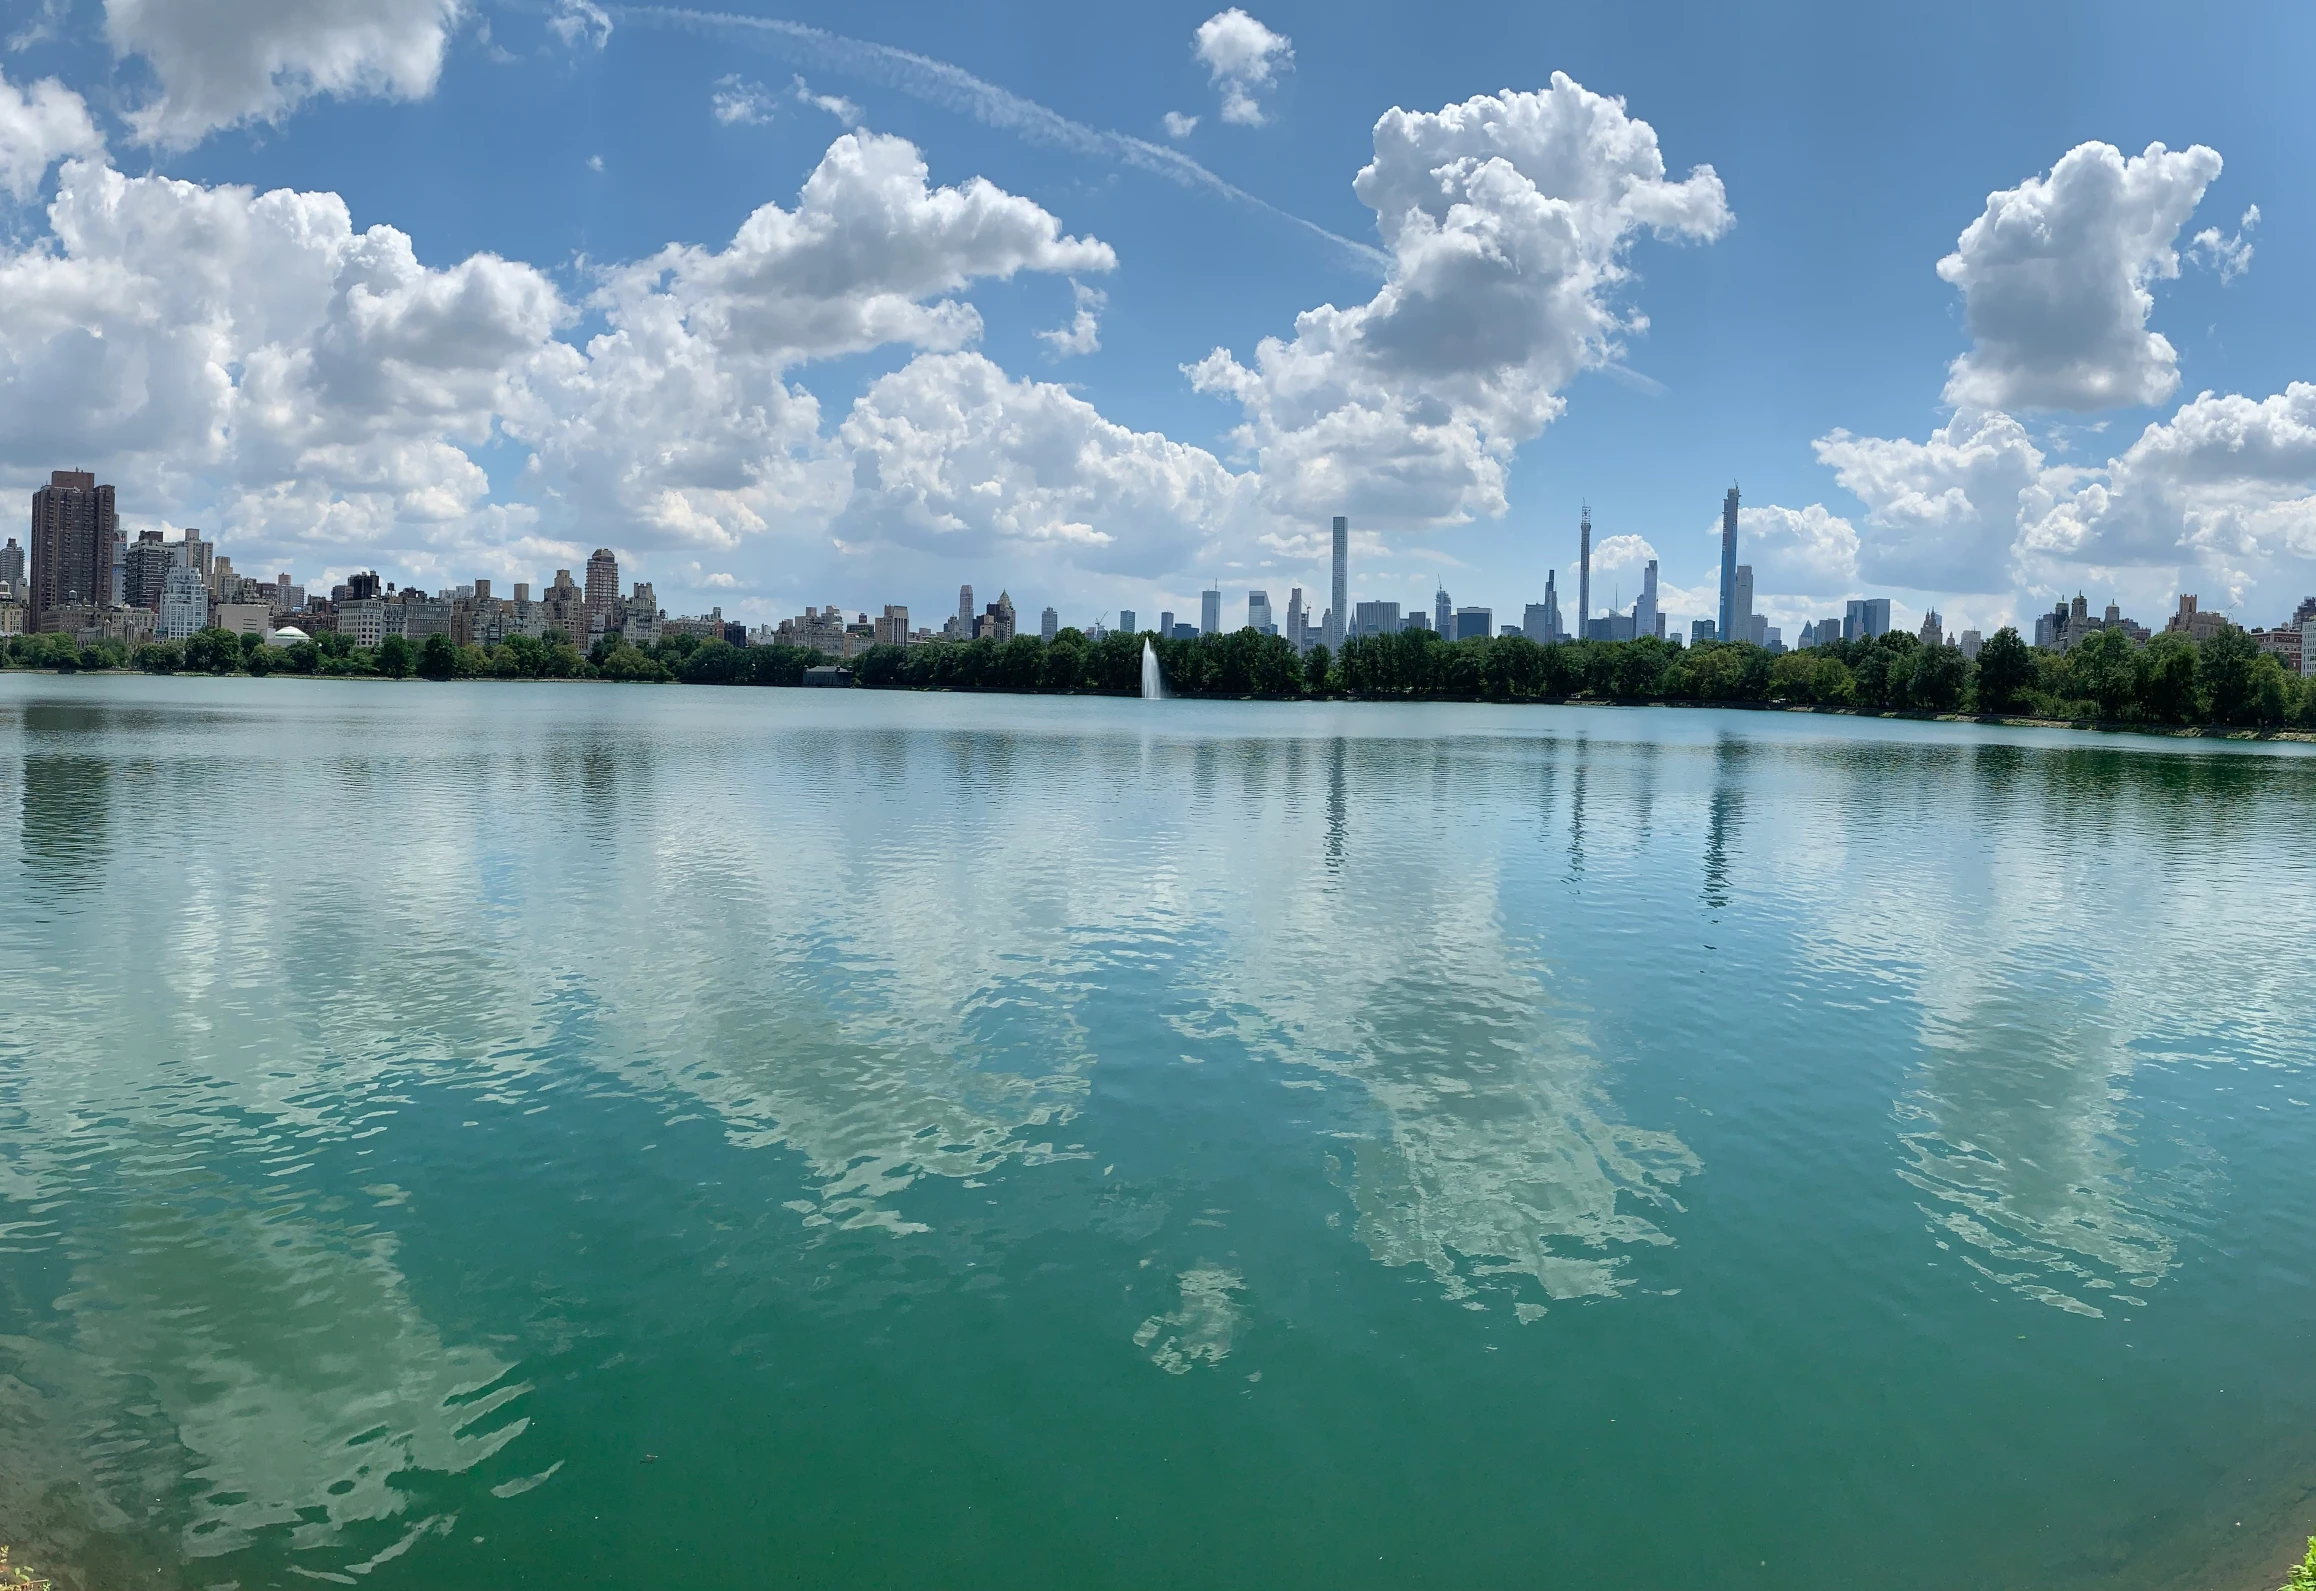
<point>854,403</point>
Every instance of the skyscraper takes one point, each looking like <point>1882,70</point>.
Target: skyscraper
<point>147,565</point>
<point>1646,620</point>
<point>1166,624</point>
<point>1335,614</point>
<point>1541,623</point>
<point>73,530</point>
<point>1210,611</point>
<point>12,568</point>
<point>201,556</point>
<point>1866,619</point>
<point>1126,617</point>
<point>1443,614</point>
<point>1048,625</point>
<point>1584,573</point>
<point>964,613</point>
<point>602,581</point>
<point>1727,629</point>
<point>1296,619</point>
<point>1738,604</point>
<point>1258,613</point>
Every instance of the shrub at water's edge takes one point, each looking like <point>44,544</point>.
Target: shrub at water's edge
<point>2303,1578</point>
<point>2225,680</point>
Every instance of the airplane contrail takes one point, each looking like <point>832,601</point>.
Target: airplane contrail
<point>955,89</point>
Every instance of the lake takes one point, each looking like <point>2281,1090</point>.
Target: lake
<point>495,1135</point>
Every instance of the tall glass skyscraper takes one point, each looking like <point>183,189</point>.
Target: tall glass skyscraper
<point>1726,629</point>
<point>1339,617</point>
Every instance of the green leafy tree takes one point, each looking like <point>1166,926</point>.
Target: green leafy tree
<point>2165,687</point>
<point>1317,672</point>
<point>213,652</point>
<point>437,658</point>
<point>2104,668</point>
<point>2006,672</point>
<point>1939,678</point>
<point>2223,670</point>
<point>396,657</point>
<point>2274,693</point>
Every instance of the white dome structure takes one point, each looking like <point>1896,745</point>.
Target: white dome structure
<point>287,635</point>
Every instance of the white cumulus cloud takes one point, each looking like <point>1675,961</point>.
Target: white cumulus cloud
<point>1943,514</point>
<point>1179,125</point>
<point>734,101</point>
<point>1795,552</point>
<point>2230,256</point>
<point>1507,219</point>
<point>950,453</point>
<point>39,126</point>
<point>2224,489</point>
<point>253,354</point>
<point>1620,552</point>
<point>2054,277</point>
<point>311,390</point>
<point>1242,57</point>
<point>678,418</point>
<point>844,110</point>
<point>580,24</point>
<point>1083,334</point>
<point>220,63</point>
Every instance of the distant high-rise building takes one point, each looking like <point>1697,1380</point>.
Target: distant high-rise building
<point>1583,571</point>
<point>1646,620</point>
<point>964,613</point>
<point>996,620</point>
<point>1443,613</point>
<point>1728,625</point>
<point>1934,628</point>
<point>1258,613</point>
<point>1541,622</point>
<point>145,566</point>
<point>1970,641</point>
<point>1210,611</point>
<point>73,531</point>
<point>1342,581</point>
<point>1866,619</point>
<point>200,556</point>
<point>12,568</point>
<point>1166,621</point>
<point>1701,630</point>
<point>1048,625</point>
<point>1470,622</point>
<point>1374,618</point>
<point>1737,604</point>
<point>602,580</point>
<point>1126,617</point>
<point>183,610</point>
<point>1297,619</point>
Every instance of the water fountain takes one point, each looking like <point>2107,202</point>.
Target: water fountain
<point>1153,688</point>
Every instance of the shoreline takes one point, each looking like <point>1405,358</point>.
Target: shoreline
<point>2232,732</point>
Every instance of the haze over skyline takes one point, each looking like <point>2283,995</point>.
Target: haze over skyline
<point>1099,309</point>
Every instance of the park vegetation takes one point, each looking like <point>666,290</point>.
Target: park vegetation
<point>2170,681</point>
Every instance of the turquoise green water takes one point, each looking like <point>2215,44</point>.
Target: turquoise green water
<point>593,1136</point>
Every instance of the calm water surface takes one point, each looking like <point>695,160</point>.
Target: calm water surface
<point>597,1136</point>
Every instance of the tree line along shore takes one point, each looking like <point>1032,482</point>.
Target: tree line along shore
<point>2224,681</point>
